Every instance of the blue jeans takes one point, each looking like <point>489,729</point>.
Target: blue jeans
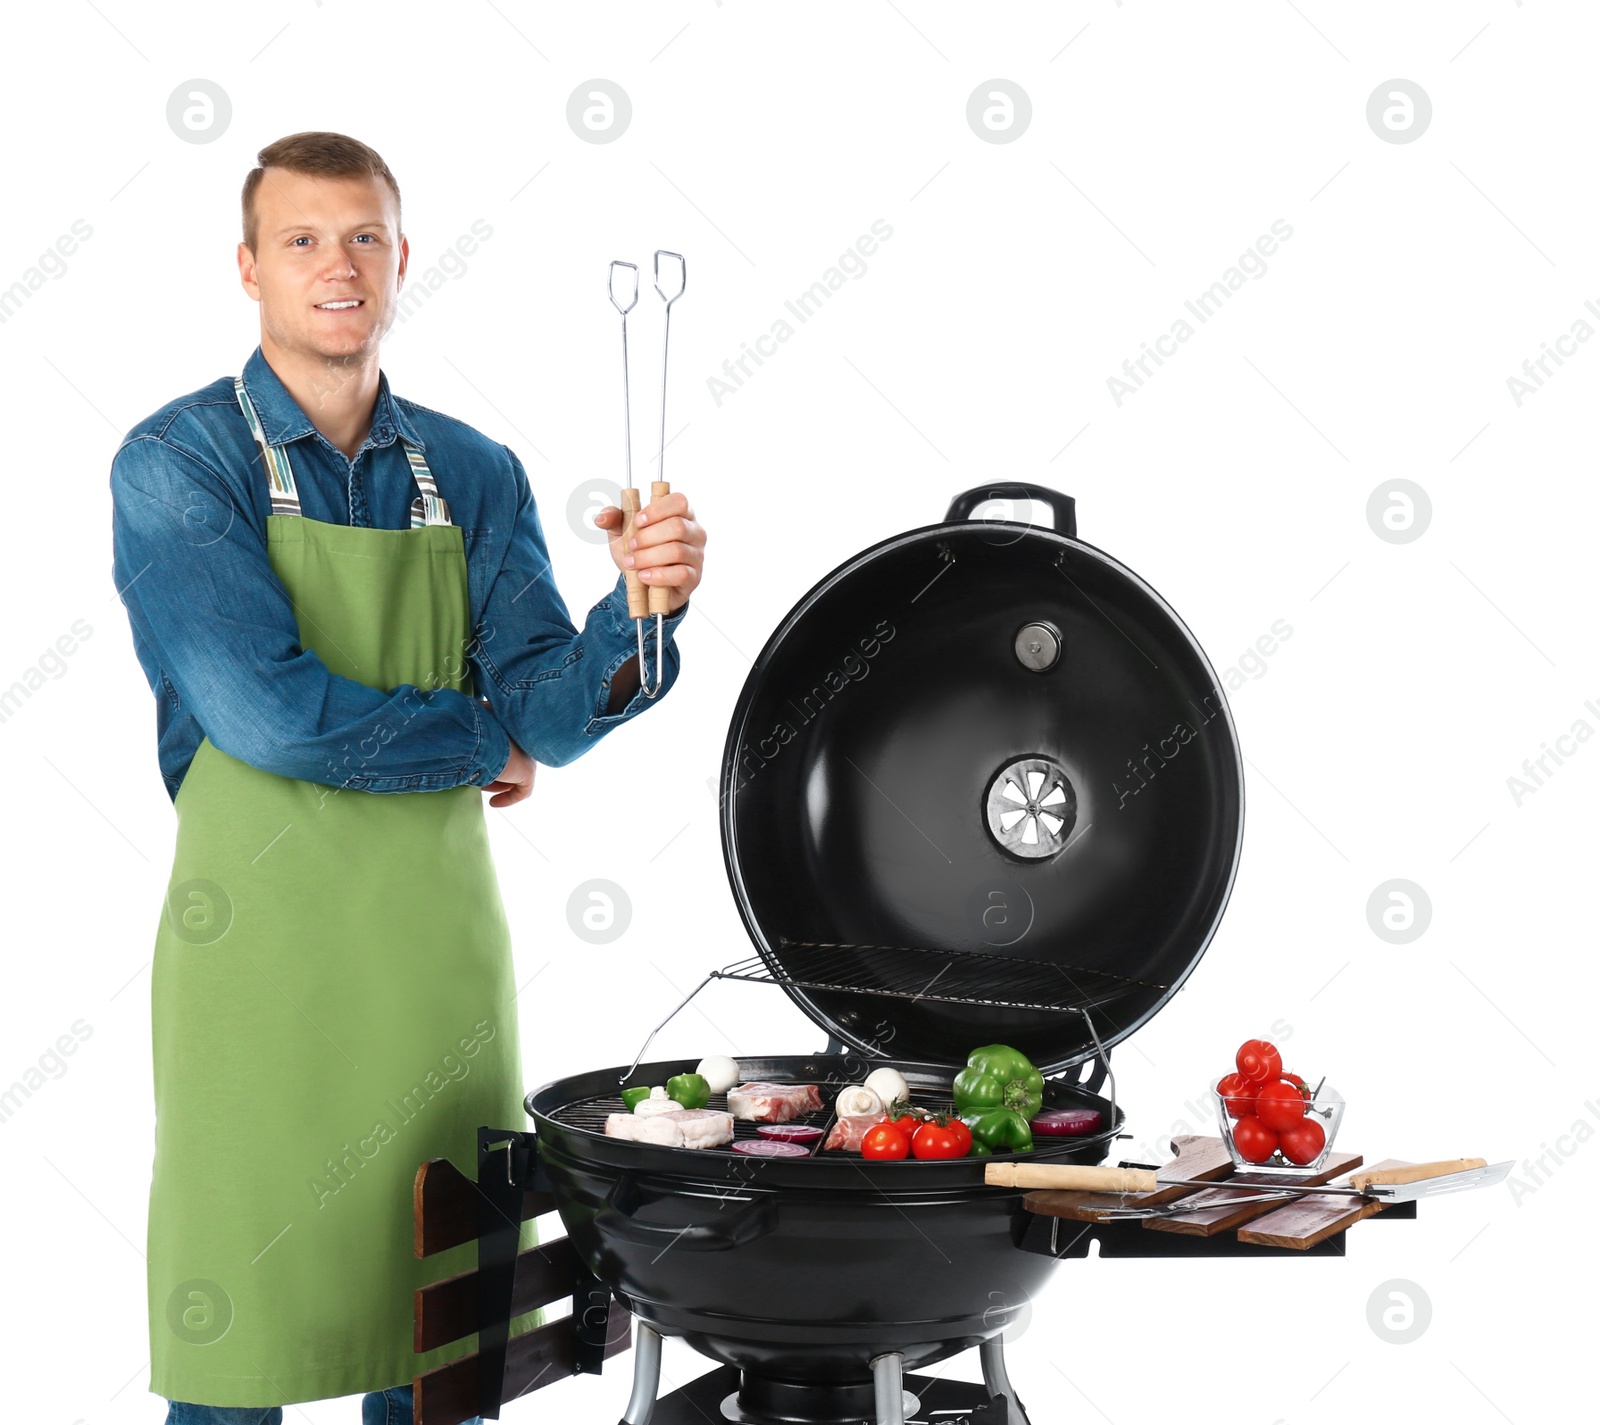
<point>379,1407</point>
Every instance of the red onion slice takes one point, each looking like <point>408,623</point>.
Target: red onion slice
<point>1065,1122</point>
<point>789,1132</point>
<point>769,1148</point>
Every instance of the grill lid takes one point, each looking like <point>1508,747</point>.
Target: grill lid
<point>981,785</point>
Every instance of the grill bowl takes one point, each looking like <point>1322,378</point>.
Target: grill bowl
<point>798,1269</point>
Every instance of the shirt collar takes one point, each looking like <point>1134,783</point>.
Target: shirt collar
<point>283,421</point>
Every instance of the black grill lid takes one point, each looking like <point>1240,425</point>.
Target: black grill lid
<point>908,720</point>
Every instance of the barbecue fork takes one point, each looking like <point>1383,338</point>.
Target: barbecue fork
<point>656,598</point>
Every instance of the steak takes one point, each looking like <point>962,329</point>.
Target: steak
<point>847,1132</point>
<point>703,1127</point>
<point>682,1128</point>
<point>773,1103</point>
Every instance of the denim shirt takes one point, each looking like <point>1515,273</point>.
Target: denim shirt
<point>217,637</point>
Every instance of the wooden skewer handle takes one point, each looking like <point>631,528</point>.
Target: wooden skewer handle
<point>660,594</point>
<point>638,604</point>
<point>1416,1172</point>
<point>1070,1177</point>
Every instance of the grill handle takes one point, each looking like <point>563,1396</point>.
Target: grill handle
<point>736,1227</point>
<point>1062,507</point>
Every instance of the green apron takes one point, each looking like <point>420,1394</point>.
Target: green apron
<point>332,1003</point>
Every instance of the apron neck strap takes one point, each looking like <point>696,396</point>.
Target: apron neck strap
<point>428,508</point>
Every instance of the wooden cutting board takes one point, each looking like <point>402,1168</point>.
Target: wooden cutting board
<point>1197,1157</point>
<point>1301,1225</point>
<point>1216,1211</point>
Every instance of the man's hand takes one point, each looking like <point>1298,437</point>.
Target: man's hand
<point>515,782</point>
<point>668,546</point>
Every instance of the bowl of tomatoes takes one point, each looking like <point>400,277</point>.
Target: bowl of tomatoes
<point>1271,1118</point>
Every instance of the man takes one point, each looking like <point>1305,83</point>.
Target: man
<point>343,604</point>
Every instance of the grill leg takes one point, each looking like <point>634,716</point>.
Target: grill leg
<point>992,1358</point>
<point>887,1390</point>
<point>646,1375</point>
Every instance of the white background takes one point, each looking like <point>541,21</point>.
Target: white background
<point>765,139</point>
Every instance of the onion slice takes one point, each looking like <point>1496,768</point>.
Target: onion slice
<point>789,1132</point>
<point>769,1148</point>
<point>1065,1122</point>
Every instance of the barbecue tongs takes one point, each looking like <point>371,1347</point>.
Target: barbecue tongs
<point>657,598</point>
<point>1385,1185</point>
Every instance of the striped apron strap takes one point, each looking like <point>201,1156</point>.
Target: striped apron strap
<point>280,477</point>
<point>428,508</point>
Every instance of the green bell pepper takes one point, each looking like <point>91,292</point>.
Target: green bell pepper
<point>690,1090</point>
<point>631,1098</point>
<point>996,1094</point>
<point>999,1130</point>
<point>998,1076</point>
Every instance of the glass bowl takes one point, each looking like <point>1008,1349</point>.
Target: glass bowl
<point>1326,1109</point>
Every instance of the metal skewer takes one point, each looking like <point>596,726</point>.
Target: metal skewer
<point>660,597</point>
<point>638,603</point>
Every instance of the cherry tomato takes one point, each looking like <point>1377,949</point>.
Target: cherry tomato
<point>1297,1081</point>
<point>1279,1106</point>
<point>1238,1095</point>
<point>884,1141</point>
<point>934,1140</point>
<point>1254,1140</point>
<point>1258,1061</point>
<point>908,1123</point>
<point>1302,1143</point>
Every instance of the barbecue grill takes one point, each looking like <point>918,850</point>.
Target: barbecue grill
<point>980,786</point>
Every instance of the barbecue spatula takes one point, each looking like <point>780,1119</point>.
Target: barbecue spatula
<point>1378,1185</point>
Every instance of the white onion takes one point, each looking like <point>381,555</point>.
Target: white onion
<point>718,1070</point>
<point>857,1101</point>
<point>888,1084</point>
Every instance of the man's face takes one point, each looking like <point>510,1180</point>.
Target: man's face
<point>321,241</point>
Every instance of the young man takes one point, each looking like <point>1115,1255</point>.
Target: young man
<point>343,604</point>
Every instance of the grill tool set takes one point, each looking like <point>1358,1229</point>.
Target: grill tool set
<point>1379,1185</point>
<point>642,601</point>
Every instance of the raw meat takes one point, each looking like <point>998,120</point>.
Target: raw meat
<point>848,1132</point>
<point>773,1103</point>
<point>683,1128</point>
<point>658,1129</point>
<point>703,1127</point>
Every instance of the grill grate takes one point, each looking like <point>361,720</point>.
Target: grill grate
<point>949,976</point>
<point>589,1114</point>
